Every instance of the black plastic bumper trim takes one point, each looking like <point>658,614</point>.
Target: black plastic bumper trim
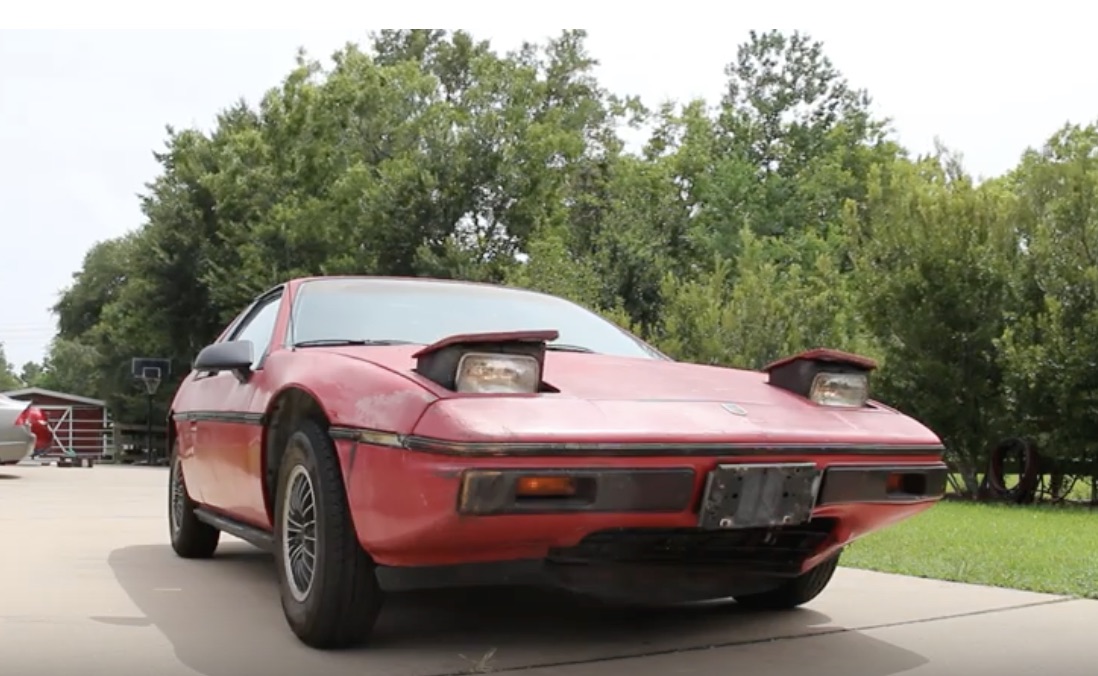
<point>869,483</point>
<point>492,491</point>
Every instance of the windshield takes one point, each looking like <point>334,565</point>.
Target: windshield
<point>423,311</point>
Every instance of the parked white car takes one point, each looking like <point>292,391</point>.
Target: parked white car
<point>16,439</point>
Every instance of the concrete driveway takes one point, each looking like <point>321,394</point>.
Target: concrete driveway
<point>89,584</point>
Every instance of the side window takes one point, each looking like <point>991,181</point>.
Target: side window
<point>259,328</point>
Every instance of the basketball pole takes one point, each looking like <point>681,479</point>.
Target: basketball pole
<point>149,423</point>
<point>150,371</point>
<point>151,377</point>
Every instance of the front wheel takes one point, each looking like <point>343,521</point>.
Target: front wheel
<point>795,592</point>
<point>330,594</point>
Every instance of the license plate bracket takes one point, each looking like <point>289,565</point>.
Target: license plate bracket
<point>759,495</point>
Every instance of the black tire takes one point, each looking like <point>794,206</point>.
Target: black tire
<point>794,592</point>
<point>339,605</point>
<point>191,538</point>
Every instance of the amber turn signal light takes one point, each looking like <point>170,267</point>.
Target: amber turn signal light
<point>906,483</point>
<point>545,487</point>
<point>895,483</point>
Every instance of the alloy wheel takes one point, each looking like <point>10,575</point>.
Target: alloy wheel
<point>299,533</point>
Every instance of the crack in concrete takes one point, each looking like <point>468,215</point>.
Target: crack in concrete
<point>773,639</point>
<point>972,613</point>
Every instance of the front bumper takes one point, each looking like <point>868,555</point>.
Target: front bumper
<point>414,508</point>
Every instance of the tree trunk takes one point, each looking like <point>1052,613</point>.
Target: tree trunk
<point>1056,485</point>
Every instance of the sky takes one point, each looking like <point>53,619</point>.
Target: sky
<point>86,91</point>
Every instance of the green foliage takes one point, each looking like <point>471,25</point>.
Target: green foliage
<point>781,218</point>
<point>8,379</point>
<point>31,374</point>
<point>935,294</point>
<point>550,267</point>
<point>791,143</point>
<point>1050,347</point>
<point>70,366</point>
<point>785,295</point>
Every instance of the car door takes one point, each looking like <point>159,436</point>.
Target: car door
<point>228,433</point>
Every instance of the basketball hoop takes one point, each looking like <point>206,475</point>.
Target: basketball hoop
<point>150,375</point>
<point>150,371</point>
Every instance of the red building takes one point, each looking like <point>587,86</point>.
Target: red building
<point>79,424</point>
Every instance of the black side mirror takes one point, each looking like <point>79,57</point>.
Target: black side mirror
<point>233,355</point>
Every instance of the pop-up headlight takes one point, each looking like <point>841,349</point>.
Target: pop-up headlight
<point>826,377</point>
<point>503,362</point>
<point>497,373</point>
<point>840,389</point>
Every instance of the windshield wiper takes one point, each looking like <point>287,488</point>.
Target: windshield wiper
<point>342,342</point>
<point>565,347</point>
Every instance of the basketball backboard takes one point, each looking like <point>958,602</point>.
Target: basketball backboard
<point>149,367</point>
<point>150,371</point>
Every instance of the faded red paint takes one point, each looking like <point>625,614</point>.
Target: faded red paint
<point>826,355</point>
<point>489,337</point>
<point>409,518</point>
<point>404,502</point>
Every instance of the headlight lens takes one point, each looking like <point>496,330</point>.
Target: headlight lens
<point>497,373</point>
<point>847,390</point>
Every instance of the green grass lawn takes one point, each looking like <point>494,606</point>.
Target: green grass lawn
<point>1079,491</point>
<point>1036,548</point>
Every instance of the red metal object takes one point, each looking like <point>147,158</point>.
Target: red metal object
<point>409,519</point>
<point>489,337</point>
<point>406,445</point>
<point>825,355</point>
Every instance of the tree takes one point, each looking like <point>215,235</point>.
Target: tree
<point>933,257</point>
<point>431,154</point>
<point>1050,343</point>
<point>781,218</point>
<point>31,374</point>
<point>8,379</point>
<point>785,297</point>
<point>793,141</point>
<point>105,269</point>
<point>72,367</point>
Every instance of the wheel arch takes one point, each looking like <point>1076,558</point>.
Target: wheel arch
<point>289,405</point>
<point>172,429</point>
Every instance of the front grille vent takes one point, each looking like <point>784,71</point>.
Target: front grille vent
<point>777,550</point>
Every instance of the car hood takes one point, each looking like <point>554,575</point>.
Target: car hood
<point>607,399</point>
<point>601,377</point>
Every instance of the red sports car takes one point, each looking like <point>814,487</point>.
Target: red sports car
<point>377,432</point>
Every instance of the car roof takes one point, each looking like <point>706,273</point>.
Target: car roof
<point>427,282</point>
